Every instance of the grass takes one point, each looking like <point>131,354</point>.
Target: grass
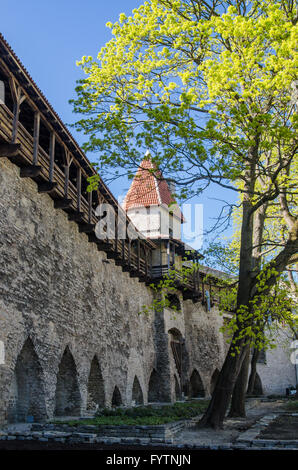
<point>143,415</point>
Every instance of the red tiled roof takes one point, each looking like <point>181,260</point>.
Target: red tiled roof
<point>148,188</point>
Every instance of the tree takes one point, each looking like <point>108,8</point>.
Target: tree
<point>205,85</point>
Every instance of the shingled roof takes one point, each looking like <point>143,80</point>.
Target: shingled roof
<point>148,188</point>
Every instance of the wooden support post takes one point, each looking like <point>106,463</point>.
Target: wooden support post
<point>48,186</point>
<point>16,96</point>
<point>31,171</point>
<point>52,157</point>
<point>123,249</point>
<point>62,203</point>
<point>129,252</point>
<point>36,137</point>
<point>146,261</point>
<point>79,188</point>
<point>116,236</point>
<point>90,207</point>
<point>139,253</point>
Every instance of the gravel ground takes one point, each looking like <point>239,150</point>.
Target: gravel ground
<point>232,427</point>
<point>189,436</point>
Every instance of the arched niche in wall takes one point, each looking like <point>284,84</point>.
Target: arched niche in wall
<point>68,397</point>
<point>96,393</point>
<point>27,395</point>
<point>196,387</point>
<point>116,397</point>
<point>137,394</point>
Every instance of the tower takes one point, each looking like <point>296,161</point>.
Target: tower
<point>152,208</point>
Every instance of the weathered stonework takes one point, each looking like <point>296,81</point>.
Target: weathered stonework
<point>61,299</point>
<point>70,327</point>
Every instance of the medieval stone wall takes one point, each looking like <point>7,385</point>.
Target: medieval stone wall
<point>71,337</point>
<point>69,318</point>
<point>57,289</point>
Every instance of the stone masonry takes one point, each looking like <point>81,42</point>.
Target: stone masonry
<point>64,308</point>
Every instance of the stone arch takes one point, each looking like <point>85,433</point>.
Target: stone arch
<point>137,393</point>
<point>116,398</point>
<point>153,387</point>
<point>68,397</point>
<point>177,388</point>
<point>96,393</point>
<point>214,380</point>
<point>258,389</point>
<point>27,398</point>
<point>196,387</point>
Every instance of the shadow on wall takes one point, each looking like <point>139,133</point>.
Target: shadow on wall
<point>116,398</point>
<point>68,398</point>
<point>196,387</point>
<point>27,397</point>
<point>96,393</point>
<point>178,395</point>
<point>137,394</point>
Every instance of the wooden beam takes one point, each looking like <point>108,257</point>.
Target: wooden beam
<point>52,157</point>
<point>16,113</point>
<point>86,228</point>
<point>79,187</point>
<point>46,187</point>
<point>129,252</point>
<point>139,253</point>
<point>90,207</point>
<point>9,150</point>
<point>76,216</point>
<point>62,203</point>
<point>66,181</point>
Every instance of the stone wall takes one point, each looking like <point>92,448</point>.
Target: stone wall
<point>71,335</point>
<point>277,373</point>
<point>59,291</point>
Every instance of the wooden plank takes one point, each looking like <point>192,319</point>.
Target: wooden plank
<point>89,207</point>
<point>86,228</point>
<point>52,157</point>
<point>16,113</point>
<point>30,171</point>
<point>66,181</point>
<point>46,187</point>
<point>76,216</point>
<point>62,203</point>
<point>79,188</point>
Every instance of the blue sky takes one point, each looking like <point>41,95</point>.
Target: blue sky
<point>49,36</point>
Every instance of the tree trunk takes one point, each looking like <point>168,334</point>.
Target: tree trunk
<point>253,372</point>
<point>239,392</point>
<point>221,397</point>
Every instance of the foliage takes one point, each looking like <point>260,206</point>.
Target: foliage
<point>195,89</point>
<point>292,405</point>
<point>148,415</point>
